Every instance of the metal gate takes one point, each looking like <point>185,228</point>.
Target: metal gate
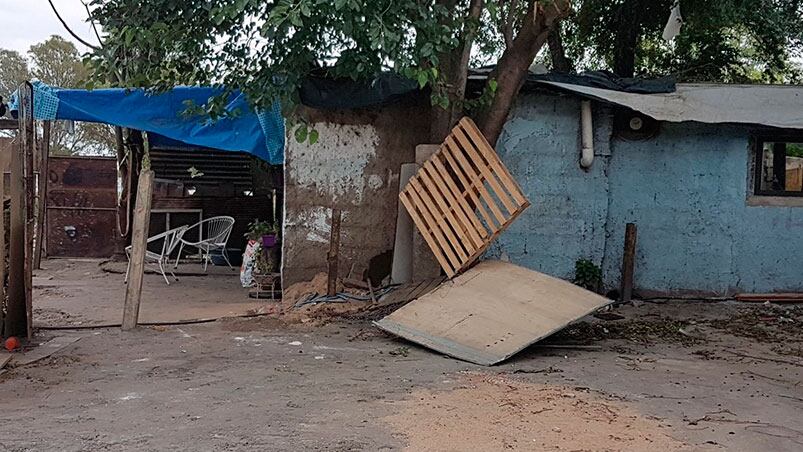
<point>81,206</point>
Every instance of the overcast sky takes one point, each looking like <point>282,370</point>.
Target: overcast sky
<point>27,22</point>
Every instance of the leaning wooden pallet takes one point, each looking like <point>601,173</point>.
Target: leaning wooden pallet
<point>462,198</point>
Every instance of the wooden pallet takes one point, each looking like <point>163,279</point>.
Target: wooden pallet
<point>462,198</point>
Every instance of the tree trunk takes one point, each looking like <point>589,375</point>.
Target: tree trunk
<point>454,69</point>
<point>557,53</point>
<point>626,38</point>
<point>512,67</point>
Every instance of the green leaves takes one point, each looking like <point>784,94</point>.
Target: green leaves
<point>304,133</point>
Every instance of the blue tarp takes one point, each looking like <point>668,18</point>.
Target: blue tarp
<point>260,134</point>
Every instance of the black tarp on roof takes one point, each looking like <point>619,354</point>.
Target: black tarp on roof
<point>387,88</point>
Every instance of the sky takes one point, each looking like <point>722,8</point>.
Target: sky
<point>27,22</point>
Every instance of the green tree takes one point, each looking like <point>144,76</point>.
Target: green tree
<point>13,71</point>
<point>57,62</point>
<point>267,47</point>
<point>721,41</point>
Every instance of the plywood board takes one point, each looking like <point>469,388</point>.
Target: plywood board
<point>448,196</point>
<point>491,312</point>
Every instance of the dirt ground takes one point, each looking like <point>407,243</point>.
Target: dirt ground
<point>665,376</point>
<point>73,292</point>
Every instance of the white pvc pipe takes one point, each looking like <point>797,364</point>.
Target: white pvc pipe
<point>587,154</point>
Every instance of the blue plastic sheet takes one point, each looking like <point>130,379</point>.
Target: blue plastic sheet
<point>165,114</point>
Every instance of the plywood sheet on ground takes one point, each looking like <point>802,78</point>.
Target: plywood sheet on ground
<point>491,312</point>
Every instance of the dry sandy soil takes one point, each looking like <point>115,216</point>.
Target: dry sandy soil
<point>668,376</point>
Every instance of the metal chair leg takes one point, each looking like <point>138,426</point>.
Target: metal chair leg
<point>180,249</point>
<point>226,257</point>
<point>162,269</point>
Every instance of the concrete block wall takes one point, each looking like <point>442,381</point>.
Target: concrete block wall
<point>566,221</point>
<point>354,166</point>
<point>686,189</point>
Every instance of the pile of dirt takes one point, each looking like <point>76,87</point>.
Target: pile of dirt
<point>298,302</point>
<point>663,329</point>
<point>500,413</point>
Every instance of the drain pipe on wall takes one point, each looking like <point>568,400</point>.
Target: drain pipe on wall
<point>587,153</point>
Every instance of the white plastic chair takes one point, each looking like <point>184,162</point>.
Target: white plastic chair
<point>218,230</point>
<point>170,239</point>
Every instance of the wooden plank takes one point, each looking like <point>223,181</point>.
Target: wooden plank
<point>3,251</point>
<point>457,198</point>
<point>489,176</point>
<point>16,309</point>
<point>486,196</point>
<point>8,124</point>
<point>29,131</point>
<point>447,229</point>
<point>451,199</point>
<point>41,194</point>
<point>5,357</point>
<point>139,238</point>
<point>436,232</point>
<point>424,230</point>
<point>490,155</point>
<point>491,312</point>
<point>44,350</point>
<point>424,206</point>
<point>334,253</point>
<point>628,262</point>
<point>465,182</point>
<point>459,228</point>
<point>771,297</point>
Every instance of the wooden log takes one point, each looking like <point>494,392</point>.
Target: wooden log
<point>334,252</point>
<point>139,239</point>
<point>30,190</point>
<point>16,310</point>
<point>628,261</point>
<point>41,164</point>
<point>3,253</point>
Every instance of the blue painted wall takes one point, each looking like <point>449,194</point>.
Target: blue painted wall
<point>686,189</point>
<point>566,221</point>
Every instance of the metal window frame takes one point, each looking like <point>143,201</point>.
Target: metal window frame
<point>758,141</point>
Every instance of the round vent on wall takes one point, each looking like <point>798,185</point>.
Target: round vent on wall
<point>632,125</point>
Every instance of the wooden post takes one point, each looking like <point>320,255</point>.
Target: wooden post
<point>16,310</point>
<point>2,251</point>
<point>41,194</point>
<point>30,189</point>
<point>139,239</point>
<point>334,251</point>
<point>628,261</point>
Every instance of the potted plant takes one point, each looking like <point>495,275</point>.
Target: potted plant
<point>262,232</point>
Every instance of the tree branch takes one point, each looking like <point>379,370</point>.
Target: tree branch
<point>92,21</point>
<point>69,30</point>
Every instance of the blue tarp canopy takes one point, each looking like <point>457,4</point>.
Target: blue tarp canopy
<point>166,114</point>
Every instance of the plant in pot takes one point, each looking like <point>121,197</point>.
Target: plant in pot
<point>262,232</point>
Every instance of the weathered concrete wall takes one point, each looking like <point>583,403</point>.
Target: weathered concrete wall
<point>566,222</point>
<point>686,189</point>
<point>354,166</point>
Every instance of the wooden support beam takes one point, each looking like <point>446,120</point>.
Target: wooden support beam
<point>29,131</point>
<point>16,309</point>
<point>139,239</point>
<point>8,124</point>
<point>41,164</point>
<point>334,252</point>
<point>3,252</point>
<point>628,261</point>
